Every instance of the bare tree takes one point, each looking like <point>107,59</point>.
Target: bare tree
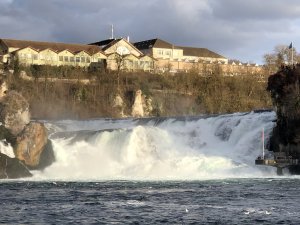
<point>120,54</point>
<point>281,55</point>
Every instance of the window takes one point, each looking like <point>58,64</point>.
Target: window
<point>130,63</point>
<point>66,58</point>
<point>159,52</point>
<point>35,57</point>
<point>72,59</point>
<point>77,59</point>
<point>168,52</point>
<point>83,59</point>
<point>88,60</point>
<point>61,58</point>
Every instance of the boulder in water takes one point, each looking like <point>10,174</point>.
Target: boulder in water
<point>7,136</point>
<point>33,146</point>
<point>30,141</point>
<point>14,112</point>
<point>12,168</point>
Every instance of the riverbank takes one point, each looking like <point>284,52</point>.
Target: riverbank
<point>72,94</point>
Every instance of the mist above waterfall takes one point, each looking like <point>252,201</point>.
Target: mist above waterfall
<point>192,148</point>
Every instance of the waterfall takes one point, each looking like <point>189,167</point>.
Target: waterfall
<point>184,148</point>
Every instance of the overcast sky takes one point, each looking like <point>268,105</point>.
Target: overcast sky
<point>236,29</point>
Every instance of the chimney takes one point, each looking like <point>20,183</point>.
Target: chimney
<point>128,38</point>
<point>112,31</point>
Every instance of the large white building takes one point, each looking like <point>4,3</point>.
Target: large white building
<point>119,54</point>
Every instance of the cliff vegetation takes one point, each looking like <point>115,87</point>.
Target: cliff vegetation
<point>66,92</point>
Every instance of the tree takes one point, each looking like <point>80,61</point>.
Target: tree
<point>120,62</point>
<point>281,55</point>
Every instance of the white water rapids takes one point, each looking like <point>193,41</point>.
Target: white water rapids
<point>223,146</point>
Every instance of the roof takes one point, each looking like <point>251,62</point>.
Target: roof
<point>102,43</point>
<point>239,63</point>
<point>153,43</point>
<point>199,52</point>
<point>106,44</point>
<point>148,56</point>
<point>39,45</point>
<point>187,51</point>
<point>25,48</point>
<point>111,44</point>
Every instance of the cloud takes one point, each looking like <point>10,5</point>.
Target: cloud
<point>234,28</point>
<point>237,10</point>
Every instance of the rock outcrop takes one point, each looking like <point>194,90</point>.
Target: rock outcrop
<point>12,168</point>
<point>32,149</point>
<point>137,108</point>
<point>30,145</point>
<point>285,92</point>
<point>14,112</point>
<point>3,89</point>
<point>118,105</point>
<point>142,105</point>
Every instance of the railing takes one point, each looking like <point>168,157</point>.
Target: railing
<point>277,162</point>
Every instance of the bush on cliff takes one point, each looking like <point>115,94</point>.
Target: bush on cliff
<point>207,94</point>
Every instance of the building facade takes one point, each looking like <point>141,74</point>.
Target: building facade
<point>119,54</point>
<point>172,58</point>
<point>177,58</point>
<point>49,53</point>
<point>116,54</point>
<point>122,55</point>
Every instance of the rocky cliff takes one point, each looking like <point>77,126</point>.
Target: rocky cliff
<point>285,93</point>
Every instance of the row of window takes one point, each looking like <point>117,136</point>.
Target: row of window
<point>71,59</point>
<point>162,52</point>
<point>137,64</point>
<point>81,59</point>
<point>75,59</point>
<point>168,52</point>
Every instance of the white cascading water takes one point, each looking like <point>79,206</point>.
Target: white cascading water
<point>224,146</point>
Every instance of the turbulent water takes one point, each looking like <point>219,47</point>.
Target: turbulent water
<point>233,201</point>
<point>190,148</point>
<point>187,170</point>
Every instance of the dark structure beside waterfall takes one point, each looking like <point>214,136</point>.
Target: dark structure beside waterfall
<point>285,140</point>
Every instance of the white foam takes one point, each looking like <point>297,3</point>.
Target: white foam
<point>175,149</point>
<point>6,149</point>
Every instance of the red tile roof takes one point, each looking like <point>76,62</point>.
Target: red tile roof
<point>39,45</point>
